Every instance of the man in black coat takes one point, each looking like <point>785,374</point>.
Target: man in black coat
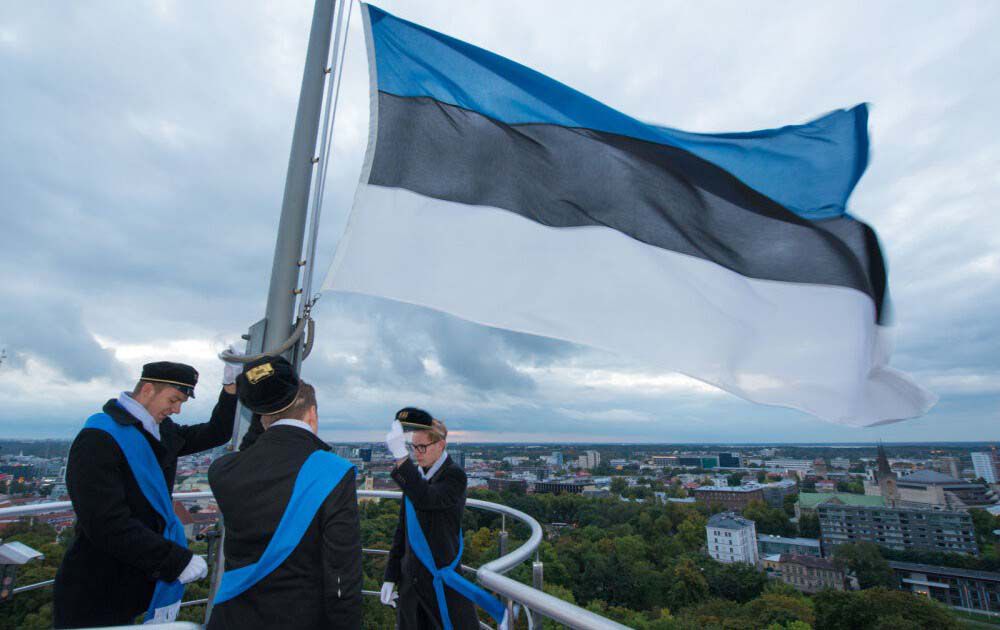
<point>119,552</point>
<point>437,490</point>
<point>319,584</point>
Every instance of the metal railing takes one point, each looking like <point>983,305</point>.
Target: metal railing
<point>491,575</point>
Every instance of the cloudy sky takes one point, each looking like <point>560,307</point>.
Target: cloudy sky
<point>143,148</point>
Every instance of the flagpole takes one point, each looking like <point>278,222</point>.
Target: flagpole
<point>270,333</point>
<point>302,161</point>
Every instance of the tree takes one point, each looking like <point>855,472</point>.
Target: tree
<point>618,485</point>
<point>769,520</point>
<point>737,581</point>
<point>735,479</point>
<point>809,525</point>
<point>772,608</point>
<point>788,503</point>
<point>880,608</point>
<point>866,562</point>
<point>691,532</point>
<point>842,610</point>
<point>688,586</point>
<point>984,524</point>
<point>713,613</point>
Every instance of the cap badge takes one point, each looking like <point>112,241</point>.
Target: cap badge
<point>259,373</point>
<point>402,415</point>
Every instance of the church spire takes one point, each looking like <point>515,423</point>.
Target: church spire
<point>886,478</point>
<point>883,461</point>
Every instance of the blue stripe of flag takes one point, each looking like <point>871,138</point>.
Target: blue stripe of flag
<point>811,169</point>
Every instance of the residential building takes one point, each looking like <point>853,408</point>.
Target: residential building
<point>665,461</point>
<point>840,462</point>
<point>768,545</point>
<point>985,466</point>
<point>808,574</point>
<point>589,460</point>
<point>808,501</point>
<point>735,498</point>
<point>184,516</point>
<point>896,528</point>
<point>802,466</point>
<point>557,458</point>
<point>738,497</point>
<point>965,589</point>
<point>776,491</point>
<point>732,538</point>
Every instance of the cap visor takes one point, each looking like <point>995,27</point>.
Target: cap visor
<point>410,426</point>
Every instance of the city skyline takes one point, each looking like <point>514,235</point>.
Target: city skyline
<point>148,201</point>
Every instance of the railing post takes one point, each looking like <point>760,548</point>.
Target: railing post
<point>537,579</point>
<point>503,537</point>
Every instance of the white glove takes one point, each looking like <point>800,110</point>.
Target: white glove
<point>195,570</point>
<point>388,596</point>
<point>232,370</point>
<point>395,440</point>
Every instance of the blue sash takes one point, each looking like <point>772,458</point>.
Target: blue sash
<point>317,478</point>
<point>146,469</point>
<point>448,575</point>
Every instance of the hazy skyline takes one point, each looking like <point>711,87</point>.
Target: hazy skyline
<point>145,154</point>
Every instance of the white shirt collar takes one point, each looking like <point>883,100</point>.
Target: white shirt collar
<point>289,422</point>
<point>140,413</point>
<point>436,467</point>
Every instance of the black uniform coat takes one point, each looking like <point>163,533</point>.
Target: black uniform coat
<point>319,584</point>
<point>118,553</point>
<point>439,503</point>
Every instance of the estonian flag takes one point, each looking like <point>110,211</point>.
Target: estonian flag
<point>494,193</point>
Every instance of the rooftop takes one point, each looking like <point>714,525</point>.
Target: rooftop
<point>804,542</point>
<point>931,477</point>
<point>750,487</point>
<point>810,500</point>
<point>927,568</point>
<point>808,561</point>
<point>729,520</point>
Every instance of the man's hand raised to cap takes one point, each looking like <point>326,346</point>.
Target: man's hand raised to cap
<point>395,441</point>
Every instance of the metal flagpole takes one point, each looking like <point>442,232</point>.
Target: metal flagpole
<point>277,325</point>
<point>301,164</point>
